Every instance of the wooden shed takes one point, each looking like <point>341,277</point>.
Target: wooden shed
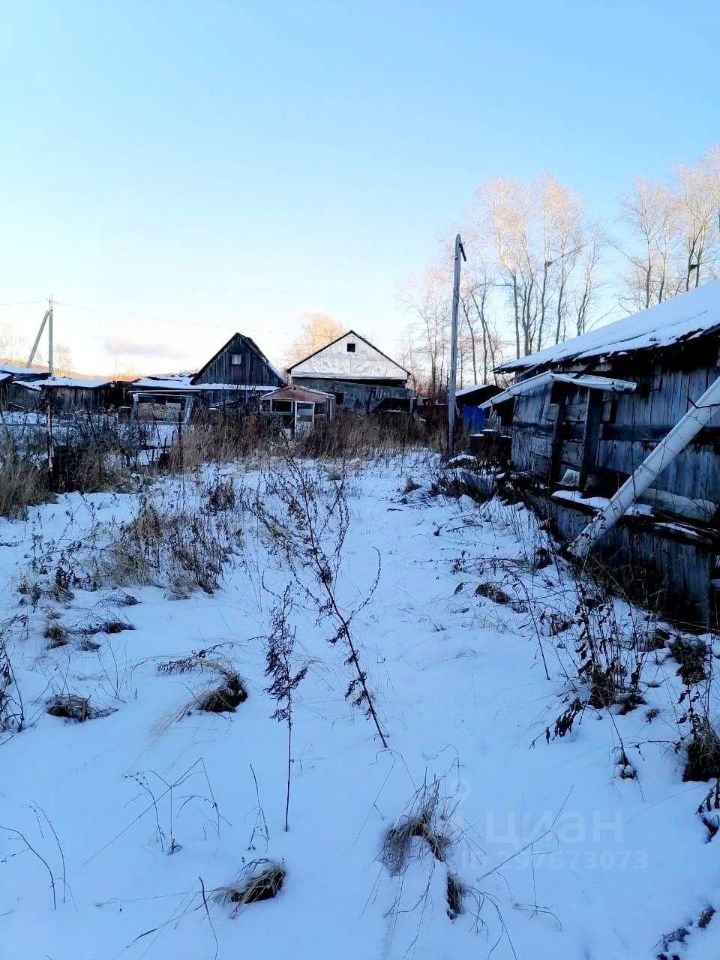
<point>71,394</point>
<point>239,371</point>
<point>585,414</point>
<point>236,376</point>
<point>298,409</point>
<point>359,375</point>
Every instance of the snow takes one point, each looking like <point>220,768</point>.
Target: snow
<point>541,380</point>
<point>88,384</point>
<point>463,391</point>
<point>185,385</point>
<point>598,503</point>
<point>21,371</point>
<point>595,866</point>
<point>336,362</point>
<point>171,382</point>
<point>684,317</point>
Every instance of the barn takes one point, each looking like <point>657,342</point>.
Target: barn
<point>360,377</point>
<point>585,415</point>
<point>236,376</point>
<point>237,372</point>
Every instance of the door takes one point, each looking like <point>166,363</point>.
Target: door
<point>304,417</point>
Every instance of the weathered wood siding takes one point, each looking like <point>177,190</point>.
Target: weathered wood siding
<point>253,370</point>
<point>553,431</point>
<point>630,426</point>
<point>358,397</point>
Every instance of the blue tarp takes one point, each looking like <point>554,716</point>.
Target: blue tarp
<point>473,419</point>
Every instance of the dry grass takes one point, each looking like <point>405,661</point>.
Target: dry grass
<point>703,752</point>
<point>224,698</point>
<point>425,821</point>
<point>220,436</point>
<point>179,546</point>
<point>260,880</point>
<point>350,435</point>
<point>22,483</point>
<point>70,706</point>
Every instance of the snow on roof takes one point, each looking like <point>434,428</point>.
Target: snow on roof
<point>541,380</point>
<point>351,357</point>
<point>299,395</point>
<point>184,385</point>
<point>471,389</point>
<point>5,376</point>
<point>53,382</point>
<point>16,371</point>
<point>28,384</point>
<point>685,317</point>
<point>171,381</point>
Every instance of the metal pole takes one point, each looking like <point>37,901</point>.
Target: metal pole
<point>459,251</point>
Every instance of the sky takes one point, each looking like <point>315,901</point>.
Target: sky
<point>174,171</point>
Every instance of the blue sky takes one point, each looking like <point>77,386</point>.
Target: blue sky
<point>198,167</point>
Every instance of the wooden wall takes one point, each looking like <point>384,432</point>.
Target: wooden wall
<point>358,397</point>
<point>630,426</point>
<point>548,437</point>
<point>254,369</point>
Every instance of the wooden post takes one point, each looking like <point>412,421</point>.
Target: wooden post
<point>591,435</point>
<point>556,448</point>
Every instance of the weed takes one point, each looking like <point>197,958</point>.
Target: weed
<point>692,656</point>
<point>455,892</point>
<point>427,822</point>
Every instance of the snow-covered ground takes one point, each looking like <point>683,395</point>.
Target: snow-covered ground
<point>560,853</point>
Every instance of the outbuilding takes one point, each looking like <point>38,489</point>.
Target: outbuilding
<point>584,416</point>
<point>360,376</point>
<point>298,409</point>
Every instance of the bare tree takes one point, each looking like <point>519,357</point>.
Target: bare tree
<point>697,216</point>
<point>428,300</point>
<point>318,329</point>
<point>538,232</point>
<point>480,338</point>
<point>586,289</point>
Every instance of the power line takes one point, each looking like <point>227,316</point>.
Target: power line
<point>21,303</point>
<point>140,316</point>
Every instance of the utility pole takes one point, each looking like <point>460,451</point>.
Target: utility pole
<point>51,338</point>
<point>47,319</point>
<point>459,251</point>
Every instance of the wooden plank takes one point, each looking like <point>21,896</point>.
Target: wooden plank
<point>590,435</point>
<point>553,473</point>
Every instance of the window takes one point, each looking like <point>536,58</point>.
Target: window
<point>304,412</point>
<point>236,359</point>
<point>339,398</point>
<point>351,348</point>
